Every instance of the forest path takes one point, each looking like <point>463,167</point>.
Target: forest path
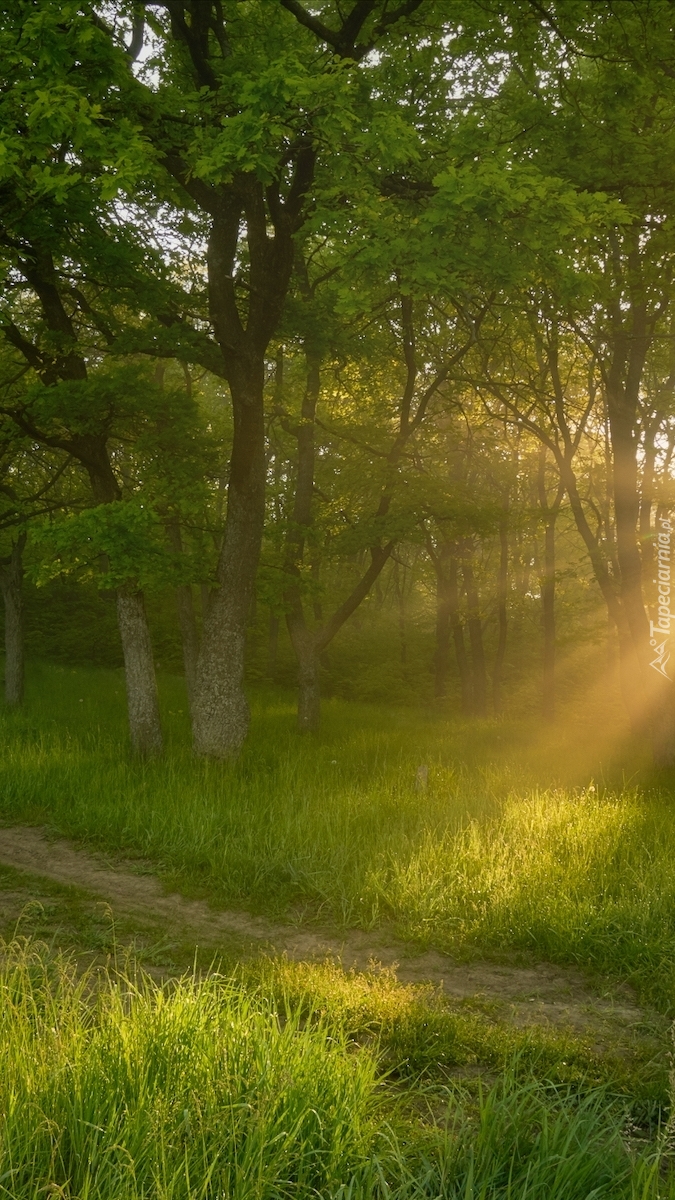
<point>542,994</point>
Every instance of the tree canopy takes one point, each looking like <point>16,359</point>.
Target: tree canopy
<point>354,322</point>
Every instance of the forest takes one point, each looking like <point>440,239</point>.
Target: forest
<point>337,492</point>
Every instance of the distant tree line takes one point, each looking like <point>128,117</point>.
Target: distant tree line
<point>304,302</point>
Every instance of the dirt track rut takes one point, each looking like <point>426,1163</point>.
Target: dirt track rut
<point>542,994</point>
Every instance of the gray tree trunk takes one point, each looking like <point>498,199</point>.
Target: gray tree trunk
<point>475,625</point>
<point>144,726</point>
<point>463,665</point>
<point>11,579</point>
<point>309,692</point>
<point>448,620</point>
<point>443,617</point>
<point>272,646</point>
<point>220,713</point>
<point>502,591</point>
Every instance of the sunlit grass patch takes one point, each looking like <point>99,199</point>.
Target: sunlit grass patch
<point>332,829</point>
<point>113,1088</point>
<point>583,877</point>
<point>422,1035</point>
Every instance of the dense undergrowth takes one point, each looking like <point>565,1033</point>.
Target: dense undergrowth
<point>333,828</point>
<point>113,1088</point>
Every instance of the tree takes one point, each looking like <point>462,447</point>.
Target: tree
<point>33,484</point>
<point>596,95</point>
<point>244,117</point>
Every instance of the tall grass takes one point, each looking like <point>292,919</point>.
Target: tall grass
<point>486,859</point>
<point>115,1089</point>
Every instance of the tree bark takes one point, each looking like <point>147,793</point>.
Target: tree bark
<point>548,620</point>
<point>502,582</point>
<point>448,622</point>
<point>626,509</point>
<point>309,692</point>
<point>463,665</point>
<point>145,730</point>
<point>479,673</point>
<point>272,646</point>
<point>302,637</point>
<point>90,449</point>
<point>11,580</point>
<point>550,516</point>
<point>647,498</point>
<point>220,717</point>
<point>139,667</point>
<point>443,618</point>
<point>399,588</point>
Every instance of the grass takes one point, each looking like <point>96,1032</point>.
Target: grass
<point>112,1088</point>
<point>488,859</point>
<point>271,1079</point>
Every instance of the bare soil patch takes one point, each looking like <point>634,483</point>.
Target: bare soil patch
<point>543,994</point>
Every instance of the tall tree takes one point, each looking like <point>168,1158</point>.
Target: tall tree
<point>596,94</point>
<point>244,113</point>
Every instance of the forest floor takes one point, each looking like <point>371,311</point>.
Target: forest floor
<point>500,947</point>
<point>168,923</point>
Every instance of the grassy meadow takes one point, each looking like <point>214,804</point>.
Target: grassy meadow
<point>490,857</point>
<point>270,1079</point>
<point>111,1087</point>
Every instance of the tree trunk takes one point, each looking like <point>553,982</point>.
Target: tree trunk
<point>144,725</point>
<point>448,621</point>
<point>11,580</point>
<point>309,693</point>
<point>548,619</point>
<point>463,665</point>
<point>626,508</point>
<point>630,346</point>
<point>220,716</point>
<point>629,669</point>
<point>145,730</point>
<point>550,516</point>
<point>663,728</point>
<point>474,623</point>
<point>317,606</point>
<point>646,499</point>
<point>443,618</point>
<point>302,638</point>
<point>399,588</point>
<point>502,581</point>
<point>272,646</point>
<point>90,449</point>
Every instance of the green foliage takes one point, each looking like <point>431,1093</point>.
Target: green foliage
<point>127,533</point>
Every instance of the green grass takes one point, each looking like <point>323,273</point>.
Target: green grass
<point>112,1088</point>
<point>273,1079</point>
<point>488,859</point>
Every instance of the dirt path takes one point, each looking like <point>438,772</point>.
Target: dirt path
<point>543,994</point>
